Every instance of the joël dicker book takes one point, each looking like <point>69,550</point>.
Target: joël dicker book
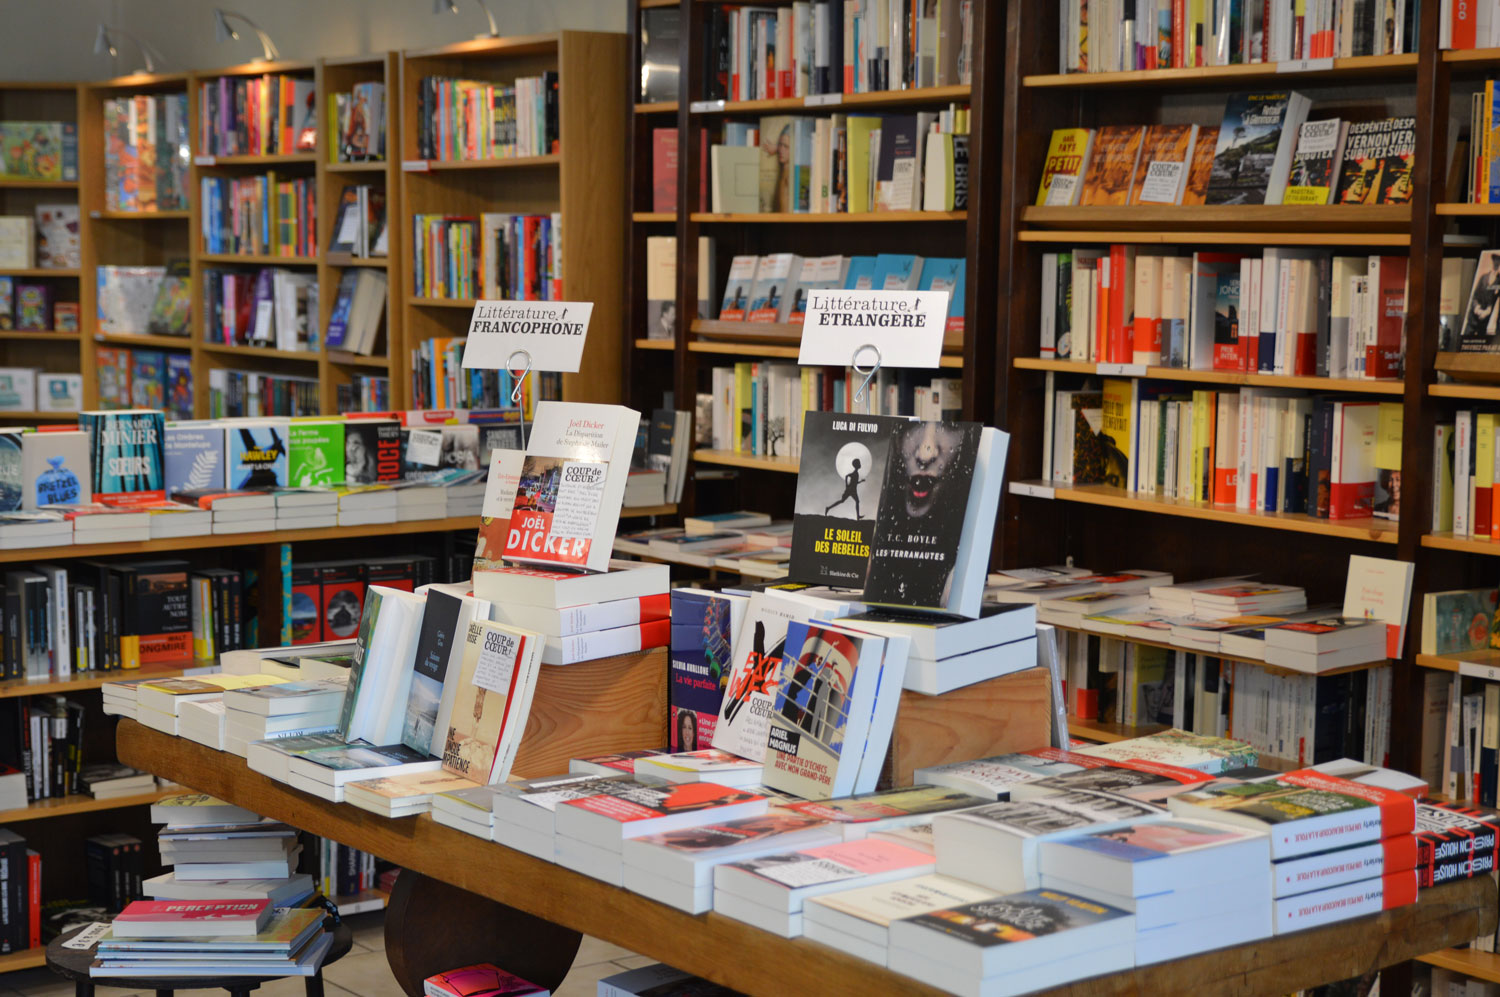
<point>839,488</point>
<point>572,485</point>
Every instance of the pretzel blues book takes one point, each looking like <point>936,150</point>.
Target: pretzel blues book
<point>839,489</point>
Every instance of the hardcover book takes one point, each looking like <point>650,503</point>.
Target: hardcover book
<point>1062,173</point>
<point>839,489</point>
<point>1255,145</point>
<point>1376,166</point>
<point>125,454</point>
<point>572,485</point>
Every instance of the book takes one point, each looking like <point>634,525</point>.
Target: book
<point>1459,620</point>
<point>256,454</point>
<point>172,919</point>
<point>315,454</point>
<point>1155,856</point>
<point>1068,153</point>
<point>1376,164</point>
<point>1166,156</point>
<point>705,626</point>
<point>1256,140</point>
<point>125,454</point>
<point>782,882</point>
<point>495,683</point>
<point>1477,334</point>
<point>480,980</point>
<point>193,809</point>
<point>1320,151</point>
<point>1211,755</point>
<point>54,469</point>
<point>994,777</point>
<point>627,809</point>
<point>844,473</point>
<point>372,451</point>
<point>858,920</point>
<point>572,485</point>
<point>1111,165</point>
<point>380,673</point>
<point>193,457</point>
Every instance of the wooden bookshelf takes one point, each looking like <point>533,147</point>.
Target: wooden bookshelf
<point>1382,67</point>
<point>1107,733</point>
<point>870,100</point>
<point>1275,219</point>
<point>1440,662</point>
<point>52,352</point>
<point>591,118</point>
<point>338,367</point>
<point>1469,962</point>
<point>1483,546</point>
<point>61,806</point>
<point>730,458</point>
<point>1245,378</point>
<point>829,218</point>
<point>1145,640</point>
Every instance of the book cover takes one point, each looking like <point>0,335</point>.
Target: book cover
<point>256,455</point>
<point>125,450</point>
<point>1251,138</point>
<point>704,627</point>
<point>430,668</point>
<point>1376,166</point>
<point>839,489</point>
<point>845,861</point>
<point>572,485</point>
<point>1112,163</point>
<point>315,454</point>
<point>1062,171</point>
<point>1166,157</point>
<point>372,451</point>
<point>1205,753</point>
<point>193,458</point>
<point>1478,333</point>
<point>627,801</point>
<point>1319,151</point>
<point>1460,620</point>
<point>33,306</point>
<point>776,166</point>
<point>1200,172</point>
<point>924,500</point>
<point>482,980</point>
<point>12,474</point>
<point>54,469</point>
<point>737,287</point>
<point>1019,917</point>
<point>497,661</point>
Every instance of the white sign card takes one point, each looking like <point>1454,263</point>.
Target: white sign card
<point>424,447</point>
<point>500,487</point>
<point>552,332</point>
<point>905,326</point>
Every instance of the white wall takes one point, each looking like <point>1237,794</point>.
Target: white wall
<point>54,39</point>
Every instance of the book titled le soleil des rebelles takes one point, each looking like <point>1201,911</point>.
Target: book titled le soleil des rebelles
<point>572,485</point>
<point>839,488</point>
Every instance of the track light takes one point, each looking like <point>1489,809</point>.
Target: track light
<point>451,7</point>
<point>104,45</point>
<point>224,31</point>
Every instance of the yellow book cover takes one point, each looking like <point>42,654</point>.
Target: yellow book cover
<point>742,414</point>
<point>1204,404</point>
<point>1117,430</point>
<point>1062,172</point>
<point>1203,165</point>
<point>1388,436</point>
<point>858,145</point>
<point>1112,165</point>
<point>1166,154</point>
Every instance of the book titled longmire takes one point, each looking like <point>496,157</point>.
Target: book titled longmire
<point>173,918</point>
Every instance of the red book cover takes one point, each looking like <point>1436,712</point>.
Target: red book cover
<point>1383,355</point>
<point>1121,304</point>
<point>629,801</point>
<point>1398,812</point>
<point>664,169</point>
<point>341,599</point>
<point>34,899</point>
<point>1464,21</point>
<point>1101,319</point>
<point>209,913</point>
<point>1179,32</point>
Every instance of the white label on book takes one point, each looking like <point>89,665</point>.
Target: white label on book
<point>1060,190</point>
<point>1473,669</point>
<point>552,333</point>
<point>822,99</point>
<point>86,938</point>
<point>1122,369</point>
<point>906,327</point>
<point>807,873</point>
<point>500,487</point>
<point>1304,65</point>
<point>424,447</point>
<point>1033,489</point>
<point>203,160</point>
<point>415,165</point>
<point>579,495</point>
<point>497,661</point>
<point>1163,181</point>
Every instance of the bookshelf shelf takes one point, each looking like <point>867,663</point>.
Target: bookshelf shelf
<point>1157,237</point>
<point>140,216</point>
<point>772,350</point>
<point>30,415</point>
<point>25,959</point>
<point>141,548</point>
<point>259,259</point>
<point>1473,57</point>
<point>144,339</point>
<point>512,163</point>
<point>668,509</point>
<point>13,184</point>
<point>654,216</point>
<point>368,167</point>
<point>259,352</point>
<point>1378,66</point>
<point>1380,387</point>
<point>1481,965</point>
<point>1461,209</point>
<point>421,302</point>
<point>346,260</point>
<point>280,159</point>
<point>1466,545</point>
<point>1106,733</point>
<point>657,107</point>
<point>784,333</point>
<point>831,102</point>
<point>66,272</point>
<point>80,681</point>
<point>1273,218</point>
<point>60,806</point>
<point>1462,389</point>
<point>1275,669</point>
<point>355,359</point>
<point>828,218</point>
<point>1374,530</point>
<point>39,335</point>
<point>731,459</point>
<point>1441,662</point>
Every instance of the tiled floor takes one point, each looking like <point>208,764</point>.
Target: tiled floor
<point>361,973</point>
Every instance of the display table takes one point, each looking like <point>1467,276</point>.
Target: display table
<point>539,908</point>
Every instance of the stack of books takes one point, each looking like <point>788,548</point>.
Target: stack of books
<point>212,938</point>
<point>482,980</point>
<point>159,701</point>
<point>234,511</point>
<point>576,632</point>
<point>306,508</point>
<point>947,653</point>
<point>285,709</point>
<point>524,811</point>
<point>469,810</point>
<point>219,851</point>
<point>363,504</point>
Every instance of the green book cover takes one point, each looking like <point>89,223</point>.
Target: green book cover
<point>316,454</point>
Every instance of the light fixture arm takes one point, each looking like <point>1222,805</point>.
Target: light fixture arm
<point>104,43</point>
<point>226,32</point>
<point>451,7</point>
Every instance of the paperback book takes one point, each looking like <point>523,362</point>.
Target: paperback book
<point>840,482</point>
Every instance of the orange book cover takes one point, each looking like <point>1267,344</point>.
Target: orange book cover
<point>1166,152</point>
<point>1203,165</point>
<point>1112,166</point>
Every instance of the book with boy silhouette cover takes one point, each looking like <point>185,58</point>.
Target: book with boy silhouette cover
<point>843,470</point>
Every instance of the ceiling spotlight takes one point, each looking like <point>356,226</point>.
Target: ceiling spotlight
<point>104,45</point>
<point>224,31</point>
<point>451,7</point>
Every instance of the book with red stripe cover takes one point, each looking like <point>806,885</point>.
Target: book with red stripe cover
<point>1344,865</point>
<point>1339,903</point>
<point>1121,332</point>
<point>195,918</point>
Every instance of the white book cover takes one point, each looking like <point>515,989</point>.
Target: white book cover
<point>737,289</point>
<point>770,297</point>
<point>1379,588</point>
<point>572,485</point>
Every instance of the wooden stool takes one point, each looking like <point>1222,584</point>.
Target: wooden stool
<point>73,964</point>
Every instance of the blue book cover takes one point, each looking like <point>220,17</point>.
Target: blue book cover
<point>10,471</point>
<point>126,453</point>
<point>179,385</point>
<point>897,272</point>
<point>256,455</point>
<point>861,275</point>
<point>193,458</point>
<point>148,379</point>
<point>54,469</point>
<point>946,274</point>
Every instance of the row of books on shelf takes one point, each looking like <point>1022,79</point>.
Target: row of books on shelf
<point>46,239</point>
<point>460,120</point>
<point>759,407</point>
<point>1464,475</point>
<point>29,305</point>
<point>495,256</point>
<point>156,300</point>
<point>745,542</point>
<point>1264,152</point>
<point>812,48</point>
<point>439,380</point>
<point>853,163</point>
<point>255,394</point>
<point>357,118</point>
<point>359,228</point>
<point>1255,449</point>
<point>324,600</point>
<point>136,378</point>
<point>775,288</point>
<point>659,462</point>
<point>30,389</point>
<point>365,393</point>
<point>270,115</point>
<point>1302,312</point>
<point>39,150</point>
<point>271,307</point>
<point>259,215</point>
<point>1468,25</point>
<point>1177,34</point>
<point>146,152</point>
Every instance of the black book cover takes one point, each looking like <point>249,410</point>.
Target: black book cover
<point>76,715</point>
<point>342,584</point>
<point>921,519</point>
<point>839,490</point>
<point>13,588</point>
<point>158,611</point>
<point>372,451</point>
<point>659,439</point>
<point>236,610</point>
<point>430,667</point>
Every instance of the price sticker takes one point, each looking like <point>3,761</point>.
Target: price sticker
<point>498,652</point>
<point>1473,669</point>
<point>552,333</point>
<point>905,326</point>
<point>204,160</point>
<point>1122,369</point>
<point>1033,489</point>
<point>1304,65</point>
<point>415,166</point>
<point>822,99</point>
<point>706,106</point>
